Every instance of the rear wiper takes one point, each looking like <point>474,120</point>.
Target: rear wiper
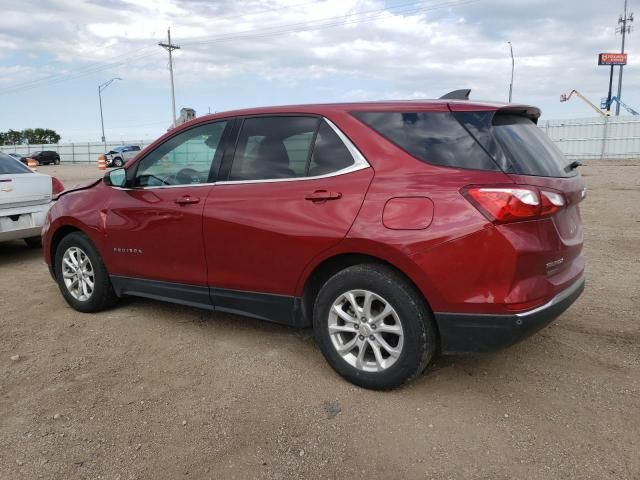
<point>572,166</point>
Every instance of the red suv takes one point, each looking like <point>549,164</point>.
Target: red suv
<point>395,229</point>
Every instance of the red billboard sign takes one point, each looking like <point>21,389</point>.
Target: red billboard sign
<point>612,59</point>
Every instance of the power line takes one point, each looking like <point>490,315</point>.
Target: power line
<point>329,22</point>
<point>73,74</point>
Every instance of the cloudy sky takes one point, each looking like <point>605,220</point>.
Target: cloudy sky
<point>259,52</point>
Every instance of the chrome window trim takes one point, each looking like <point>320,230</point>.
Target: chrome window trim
<point>359,163</point>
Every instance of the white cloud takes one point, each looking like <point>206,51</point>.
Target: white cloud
<point>412,55</point>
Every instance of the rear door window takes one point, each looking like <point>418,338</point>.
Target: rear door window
<point>432,137</point>
<point>273,148</point>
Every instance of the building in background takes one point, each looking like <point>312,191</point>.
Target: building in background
<point>186,114</point>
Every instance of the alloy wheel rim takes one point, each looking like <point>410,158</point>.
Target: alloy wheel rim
<point>366,330</point>
<point>78,274</point>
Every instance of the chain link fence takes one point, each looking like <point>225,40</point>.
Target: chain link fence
<point>596,137</point>
<point>77,152</point>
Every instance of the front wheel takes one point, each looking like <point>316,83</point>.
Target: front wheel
<point>117,162</point>
<point>82,277</point>
<point>373,327</point>
<point>56,161</point>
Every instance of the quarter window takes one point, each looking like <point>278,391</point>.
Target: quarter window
<point>329,153</point>
<point>432,137</point>
<point>184,159</point>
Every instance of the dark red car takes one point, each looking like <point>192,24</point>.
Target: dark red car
<point>396,229</point>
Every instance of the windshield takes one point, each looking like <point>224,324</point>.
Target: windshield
<point>528,149</point>
<point>9,164</point>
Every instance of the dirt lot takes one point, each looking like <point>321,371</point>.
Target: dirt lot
<point>151,390</point>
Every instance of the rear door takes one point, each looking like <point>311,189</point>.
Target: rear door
<point>293,189</point>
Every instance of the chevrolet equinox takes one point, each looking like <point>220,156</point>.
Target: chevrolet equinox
<point>395,229</point>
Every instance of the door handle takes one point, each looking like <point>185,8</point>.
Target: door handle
<point>323,195</point>
<point>186,200</point>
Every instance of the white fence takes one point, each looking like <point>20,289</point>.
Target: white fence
<point>72,152</point>
<point>579,139</point>
<point>597,137</point>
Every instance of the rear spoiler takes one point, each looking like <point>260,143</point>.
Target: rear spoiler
<point>514,109</point>
<point>462,94</point>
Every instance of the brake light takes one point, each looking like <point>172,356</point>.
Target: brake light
<point>56,186</point>
<point>503,204</point>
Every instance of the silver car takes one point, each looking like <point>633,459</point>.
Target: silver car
<point>25,198</point>
<point>120,155</point>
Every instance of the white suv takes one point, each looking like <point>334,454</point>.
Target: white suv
<point>121,155</point>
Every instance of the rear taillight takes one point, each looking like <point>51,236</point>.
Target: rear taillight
<point>56,186</point>
<point>503,204</point>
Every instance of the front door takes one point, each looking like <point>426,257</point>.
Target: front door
<point>293,190</point>
<point>154,228</point>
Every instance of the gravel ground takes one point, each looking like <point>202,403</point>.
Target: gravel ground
<point>152,390</point>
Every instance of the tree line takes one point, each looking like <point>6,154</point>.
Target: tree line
<point>32,136</point>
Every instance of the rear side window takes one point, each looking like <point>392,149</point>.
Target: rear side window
<point>9,164</point>
<point>432,137</point>
<point>528,150</point>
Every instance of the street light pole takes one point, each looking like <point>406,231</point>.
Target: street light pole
<point>513,64</point>
<point>100,90</point>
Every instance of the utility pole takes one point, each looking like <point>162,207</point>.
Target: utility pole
<point>169,47</point>
<point>100,89</point>
<point>624,27</point>
<point>513,64</point>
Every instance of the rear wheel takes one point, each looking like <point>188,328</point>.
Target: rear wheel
<point>373,327</point>
<point>81,275</point>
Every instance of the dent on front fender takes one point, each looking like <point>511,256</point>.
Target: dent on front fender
<point>82,210</point>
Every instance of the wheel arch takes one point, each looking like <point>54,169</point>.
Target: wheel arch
<point>57,237</point>
<point>329,266</point>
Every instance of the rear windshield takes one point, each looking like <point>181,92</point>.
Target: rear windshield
<point>528,150</point>
<point>474,140</point>
<point>9,164</point>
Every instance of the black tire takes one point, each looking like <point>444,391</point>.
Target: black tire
<point>419,332</point>
<point>56,161</point>
<point>103,295</point>
<point>117,162</point>
<point>33,242</point>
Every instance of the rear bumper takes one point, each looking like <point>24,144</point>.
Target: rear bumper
<point>22,222</point>
<point>473,333</point>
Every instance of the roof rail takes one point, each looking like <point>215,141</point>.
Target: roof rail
<point>462,94</point>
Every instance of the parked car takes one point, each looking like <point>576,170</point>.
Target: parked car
<point>121,155</point>
<point>25,198</point>
<point>45,157</point>
<point>395,229</point>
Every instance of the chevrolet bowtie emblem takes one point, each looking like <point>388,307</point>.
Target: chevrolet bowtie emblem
<point>6,189</point>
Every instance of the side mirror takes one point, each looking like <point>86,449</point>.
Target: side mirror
<point>116,177</point>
